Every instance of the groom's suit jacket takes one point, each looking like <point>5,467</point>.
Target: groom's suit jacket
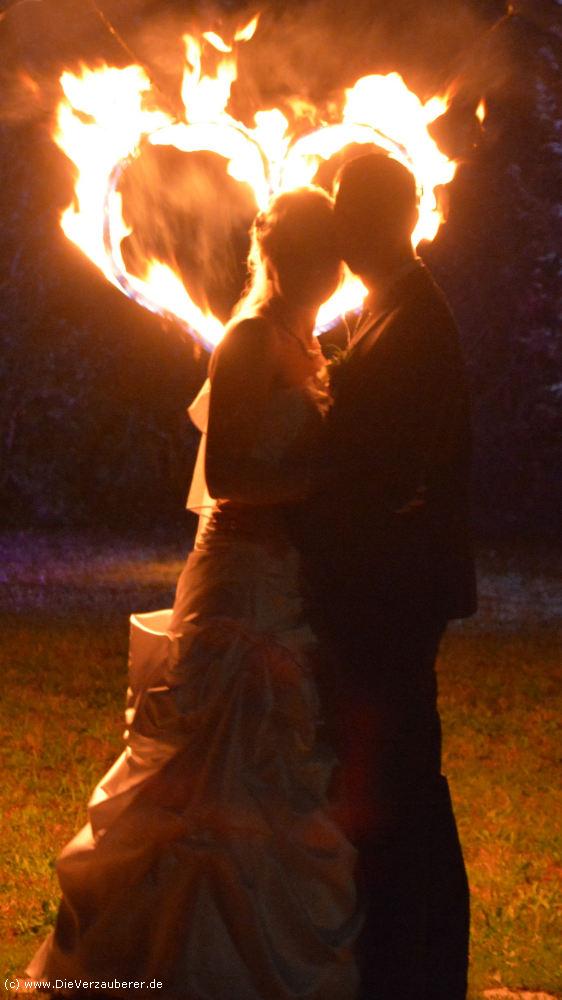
<point>390,520</point>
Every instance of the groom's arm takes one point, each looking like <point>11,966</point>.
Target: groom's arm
<point>402,416</point>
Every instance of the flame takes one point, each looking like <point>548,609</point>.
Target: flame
<point>98,125</point>
<point>29,83</point>
<point>104,120</point>
<point>216,41</point>
<point>481,112</point>
<point>247,33</point>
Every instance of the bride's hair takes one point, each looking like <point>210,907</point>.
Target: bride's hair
<point>290,219</point>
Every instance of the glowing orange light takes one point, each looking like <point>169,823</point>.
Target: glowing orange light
<point>216,41</point>
<point>247,33</point>
<point>102,122</point>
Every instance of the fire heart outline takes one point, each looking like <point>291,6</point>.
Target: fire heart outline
<point>103,124</point>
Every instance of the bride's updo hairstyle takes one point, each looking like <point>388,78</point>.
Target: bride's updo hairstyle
<point>294,251</point>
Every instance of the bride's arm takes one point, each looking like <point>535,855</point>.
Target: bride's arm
<point>243,374</point>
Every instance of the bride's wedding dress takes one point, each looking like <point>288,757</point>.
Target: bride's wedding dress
<point>209,861</point>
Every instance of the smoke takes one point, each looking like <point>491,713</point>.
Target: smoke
<point>317,48</point>
<point>185,210</point>
<point>310,49</point>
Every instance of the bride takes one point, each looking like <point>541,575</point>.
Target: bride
<point>209,862</point>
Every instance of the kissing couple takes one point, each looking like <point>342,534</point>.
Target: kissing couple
<point>278,826</point>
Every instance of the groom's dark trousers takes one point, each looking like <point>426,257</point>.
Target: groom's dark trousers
<point>395,806</point>
<point>385,543</point>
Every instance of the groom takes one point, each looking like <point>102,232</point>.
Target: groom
<point>389,555</point>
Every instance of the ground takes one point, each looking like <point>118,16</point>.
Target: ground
<point>64,605</point>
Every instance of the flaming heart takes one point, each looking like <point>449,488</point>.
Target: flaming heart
<point>104,124</point>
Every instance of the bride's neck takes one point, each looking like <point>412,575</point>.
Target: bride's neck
<point>299,318</point>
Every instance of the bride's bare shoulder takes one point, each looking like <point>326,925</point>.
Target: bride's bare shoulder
<point>249,339</point>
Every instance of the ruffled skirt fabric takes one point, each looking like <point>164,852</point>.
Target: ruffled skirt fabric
<point>209,861</point>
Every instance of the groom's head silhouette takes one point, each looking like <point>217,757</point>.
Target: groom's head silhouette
<point>376,212</point>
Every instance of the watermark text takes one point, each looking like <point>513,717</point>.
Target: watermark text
<point>17,985</point>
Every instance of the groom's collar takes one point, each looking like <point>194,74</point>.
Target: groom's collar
<point>380,298</point>
<point>383,299</point>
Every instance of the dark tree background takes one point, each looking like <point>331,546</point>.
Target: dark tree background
<point>93,428</point>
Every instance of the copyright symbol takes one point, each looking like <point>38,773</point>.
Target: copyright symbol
<point>12,984</point>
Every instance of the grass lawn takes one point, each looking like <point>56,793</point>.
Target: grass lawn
<point>64,605</point>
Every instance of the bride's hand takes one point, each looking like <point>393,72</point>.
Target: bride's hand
<point>318,387</point>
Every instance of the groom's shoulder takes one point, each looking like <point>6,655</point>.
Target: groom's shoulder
<point>421,289</point>
<point>432,293</point>
<point>424,308</point>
